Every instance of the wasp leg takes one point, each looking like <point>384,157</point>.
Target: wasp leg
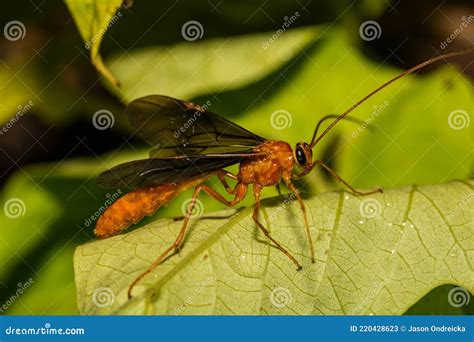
<point>240,192</point>
<point>278,189</point>
<point>292,187</point>
<point>256,191</point>
<point>354,191</point>
<point>221,175</point>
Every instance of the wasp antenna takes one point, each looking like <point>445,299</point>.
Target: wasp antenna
<point>335,116</point>
<point>315,140</point>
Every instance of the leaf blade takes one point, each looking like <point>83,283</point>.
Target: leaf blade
<point>360,266</point>
<point>189,69</point>
<point>93,18</point>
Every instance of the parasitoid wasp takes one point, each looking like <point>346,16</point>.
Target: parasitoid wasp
<point>192,145</point>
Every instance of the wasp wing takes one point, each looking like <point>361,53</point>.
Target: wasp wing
<point>177,128</point>
<point>157,171</point>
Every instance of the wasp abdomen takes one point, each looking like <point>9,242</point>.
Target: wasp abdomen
<point>132,207</point>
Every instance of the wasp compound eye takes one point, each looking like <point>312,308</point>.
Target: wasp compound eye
<point>300,155</point>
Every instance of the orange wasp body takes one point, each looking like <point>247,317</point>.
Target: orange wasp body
<point>193,145</point>
<point>134,206</point>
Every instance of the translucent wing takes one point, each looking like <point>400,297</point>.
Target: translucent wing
<point>178,128</point>
<point>167,170</point>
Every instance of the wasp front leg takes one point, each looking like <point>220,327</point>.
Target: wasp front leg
<point>335,175</point>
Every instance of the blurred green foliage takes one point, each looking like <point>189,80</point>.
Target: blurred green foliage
<point>311,71</point>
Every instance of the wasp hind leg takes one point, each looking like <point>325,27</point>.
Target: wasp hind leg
<point>240,191</point>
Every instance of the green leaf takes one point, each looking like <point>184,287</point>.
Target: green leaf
<point>435,303</point>
<point>93,18</point>
<point>190,69</point>
<point>374,255</point>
